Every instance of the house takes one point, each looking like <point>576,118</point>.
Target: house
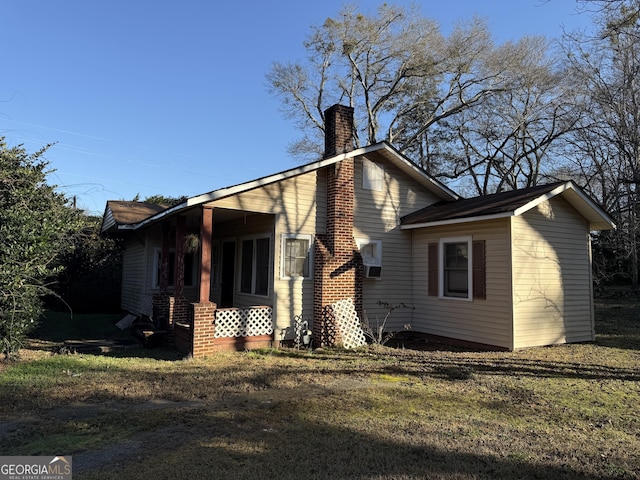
<point>242,266</point>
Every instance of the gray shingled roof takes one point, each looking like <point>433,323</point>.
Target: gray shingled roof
<point>484,205</point>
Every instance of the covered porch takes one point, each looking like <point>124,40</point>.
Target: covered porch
<point>227,305</point>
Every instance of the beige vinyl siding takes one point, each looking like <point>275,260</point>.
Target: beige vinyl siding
<point>552,276</point>
<point>377,217</point>
<point>108,221</point>
<point>486,321</point>
<point>294,202</point>
<point>133,281</point>
<point>293,198</point>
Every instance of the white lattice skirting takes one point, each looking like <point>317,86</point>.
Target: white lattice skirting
<point>348,324</point>
<point>243,322</point>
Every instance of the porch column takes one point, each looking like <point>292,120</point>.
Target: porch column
<point>206,232</point>
<point>179,257</point>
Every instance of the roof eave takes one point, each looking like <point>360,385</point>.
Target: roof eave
<point>456,221</point>
<point>443,192</point>
<point>598,219</point>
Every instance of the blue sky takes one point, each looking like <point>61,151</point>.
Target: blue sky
<point>169,97</point>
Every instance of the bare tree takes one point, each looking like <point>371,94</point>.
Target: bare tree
<point>458,105</point>
<point>614,16</point>
<point>395,68</point>
<point>509,140</point>
<point>607,144</point>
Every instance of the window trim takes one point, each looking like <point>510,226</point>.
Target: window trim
<point>441,267</point>
<point>309,259</point>
<point>254,239</point>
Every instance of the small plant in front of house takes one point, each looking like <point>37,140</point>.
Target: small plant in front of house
<point>377,334</point>
<point>302,333</point>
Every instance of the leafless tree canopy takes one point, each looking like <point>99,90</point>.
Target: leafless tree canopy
<point>486,116</point>
<point>433,96</point>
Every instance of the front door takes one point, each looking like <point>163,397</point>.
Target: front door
<point>228,273</point>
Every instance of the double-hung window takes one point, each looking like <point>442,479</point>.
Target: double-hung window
<point>254,270</point>
<point>456,278</point>
<point>296,256</point>
<point>456,268</point>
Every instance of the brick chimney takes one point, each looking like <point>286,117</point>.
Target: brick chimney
<point>338,130</point>
<point>338,266</point>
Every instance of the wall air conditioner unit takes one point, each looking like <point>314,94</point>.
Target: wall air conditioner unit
<point>372,271</point>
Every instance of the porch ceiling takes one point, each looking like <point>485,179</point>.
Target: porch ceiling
<point>225,214</point>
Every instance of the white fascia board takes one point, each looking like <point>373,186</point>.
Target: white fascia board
<point>309,167</point>
<point>456,221</point>
<point>243,187</point>
<point>260,182</point>
<point>598,218</point>
<point>543,198</point>
<point>448,193</point>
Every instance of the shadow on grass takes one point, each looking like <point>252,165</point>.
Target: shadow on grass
<point>249,426</point>
<point>307,449</point>
<point>307,436</point>
<point>58,327</point>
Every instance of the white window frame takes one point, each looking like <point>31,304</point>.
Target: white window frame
<point>372,176</point>
<point>441,267</point>
<point>254,239</point>
<point>283,250</point>
<point>375,261</point>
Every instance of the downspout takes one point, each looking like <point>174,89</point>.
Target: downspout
<point>591,301</point>
<point>413,280</point>
<point>512,314</point>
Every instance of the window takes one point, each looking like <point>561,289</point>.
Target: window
<point>254,269</point>
<point>296,256</point>
<point>372,176</point>
<point>189,268</point>
<point>456,268</point>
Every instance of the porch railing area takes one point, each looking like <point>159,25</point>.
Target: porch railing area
<point>243,322</point>
<point>210,329</point>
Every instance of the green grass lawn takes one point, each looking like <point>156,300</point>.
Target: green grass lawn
<point>547,413</point>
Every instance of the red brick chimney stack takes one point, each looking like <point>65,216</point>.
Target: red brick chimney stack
<point>338,130</point>
<point>337,273</point>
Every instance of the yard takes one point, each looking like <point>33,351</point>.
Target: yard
<point>383,413</point>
